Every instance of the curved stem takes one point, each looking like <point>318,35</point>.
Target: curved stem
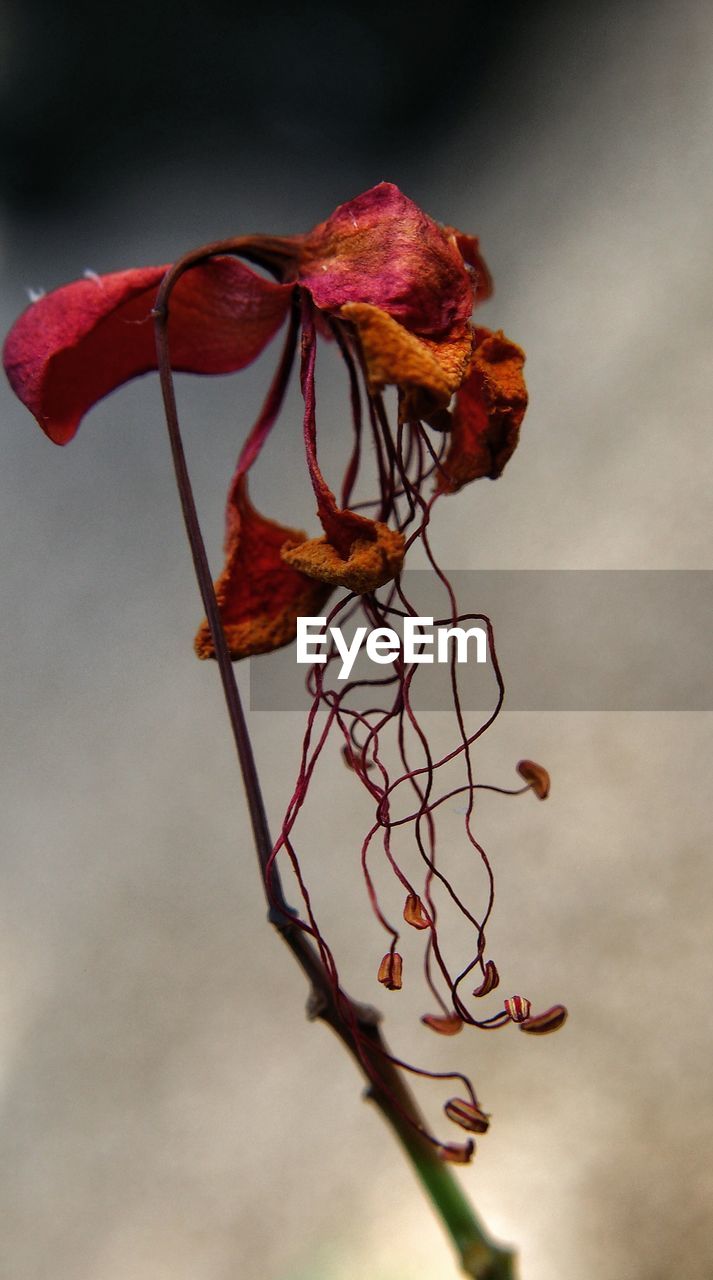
<point>356,1025</point>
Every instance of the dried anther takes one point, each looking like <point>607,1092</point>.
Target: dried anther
<point>517,1008</point>
<point>542,1023</point>
<point>369,563</point>
<point>491,978</point>
<point>390,971</point>
<point>414,913</point>
<point>446,1024</point>
<point>467,1115</point>
<point>455,1153</point>
<point>537,777</point>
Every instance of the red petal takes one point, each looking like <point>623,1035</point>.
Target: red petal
<point>382,249</point>
<point>259,596</point>
<point>489,409</point>
<point>78,343</point>
<point>469,249</point>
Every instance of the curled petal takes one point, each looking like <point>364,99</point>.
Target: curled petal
<point>426,372</point>
<point>446,1024</point>
<point>380,248</point>
<point>541,1024</point>
<point>537,776</point>
<point>469,249</point>
<point>489,409</point>
<point>78,343</point>
<point>369,564</point>
<point>259,596</point>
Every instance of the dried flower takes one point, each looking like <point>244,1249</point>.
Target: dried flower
<point>394,291</point>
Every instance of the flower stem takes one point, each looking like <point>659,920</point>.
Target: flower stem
<point>479,1256</point>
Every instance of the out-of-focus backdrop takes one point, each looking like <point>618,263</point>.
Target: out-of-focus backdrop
<point>167,1112</point>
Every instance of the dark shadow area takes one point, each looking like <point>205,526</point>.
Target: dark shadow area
<point>91,92</point>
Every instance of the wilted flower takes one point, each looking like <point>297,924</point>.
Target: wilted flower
<point>391,286</point>
<point>395,291</point>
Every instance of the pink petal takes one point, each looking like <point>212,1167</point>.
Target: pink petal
<point>80,342</point>
<point>382,249</point>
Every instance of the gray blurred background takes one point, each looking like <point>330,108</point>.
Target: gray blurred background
<point>167,1113</point>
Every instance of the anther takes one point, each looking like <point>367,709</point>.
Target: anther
<point>414,913</point>
<point>517,1008</point>
<point>390,971</point>
<point>456,1152</point>
<point>448,1024</point>
<point>537,777</point>
<point>467,1115</point>
<point>491,978</point>
<point>540,1024</point>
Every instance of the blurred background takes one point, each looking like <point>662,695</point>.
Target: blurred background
<point>167,1112</point>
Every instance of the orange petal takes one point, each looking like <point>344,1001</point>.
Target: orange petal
<point>259,596</point>
<point>489,409</point>
<point>426,371</point>
<point>369,565</point>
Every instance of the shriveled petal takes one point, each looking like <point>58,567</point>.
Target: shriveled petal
<point>489,409</point>
<point>469,249</point>
<point>426,372</point>
<point>369,564</point>
<point>259,596</point>
<point>78,343</point>
<point>380,248</point>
